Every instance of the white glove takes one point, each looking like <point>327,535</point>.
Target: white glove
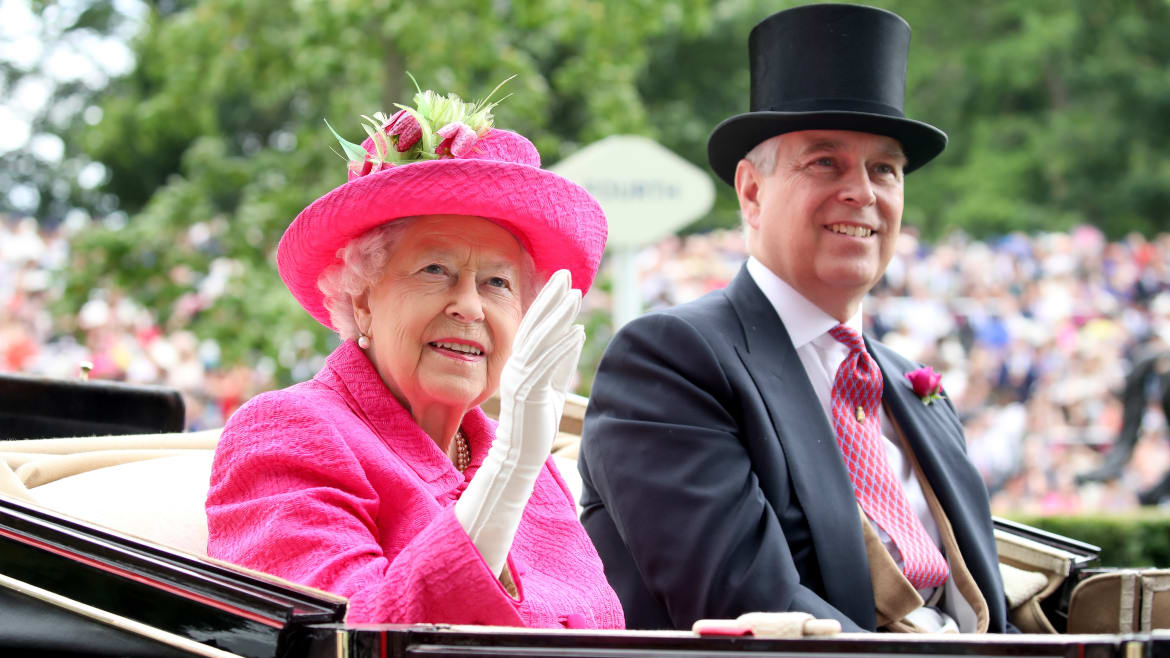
<point>532,396</point>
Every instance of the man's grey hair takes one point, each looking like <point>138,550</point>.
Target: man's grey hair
<point>363,262</point>
<point>763,156</point>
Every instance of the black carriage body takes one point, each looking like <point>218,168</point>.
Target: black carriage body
<point>70,587</point>
<point>106,591</point>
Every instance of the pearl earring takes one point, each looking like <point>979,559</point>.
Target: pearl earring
<point>363,341</point>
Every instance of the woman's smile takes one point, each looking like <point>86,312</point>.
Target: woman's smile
<point>458,349</point>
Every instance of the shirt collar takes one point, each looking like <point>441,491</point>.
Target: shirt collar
<point>803,320</point>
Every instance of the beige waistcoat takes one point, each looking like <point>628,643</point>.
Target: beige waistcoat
<point>894,597</point>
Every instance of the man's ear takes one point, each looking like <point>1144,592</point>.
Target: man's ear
<point>747,189</point>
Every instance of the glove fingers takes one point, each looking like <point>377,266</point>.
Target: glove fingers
<point>555,314</point>
<point>558,313</point>
<point>562,317</point>
<point>542,369</point>
<point>545,303</point>
<point>566,367</point>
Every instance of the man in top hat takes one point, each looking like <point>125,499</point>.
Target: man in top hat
<point>752,450</point>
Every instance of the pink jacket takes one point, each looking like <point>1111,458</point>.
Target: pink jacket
<point>332,484</point>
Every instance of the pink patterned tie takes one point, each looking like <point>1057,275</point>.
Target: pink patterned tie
<point>857,392</point>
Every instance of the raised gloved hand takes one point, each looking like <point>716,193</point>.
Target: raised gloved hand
<point>532,396</point>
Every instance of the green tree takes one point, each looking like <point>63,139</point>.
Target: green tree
<point>215,141</point>
<point>51,62</point>
<point>1055,111</point>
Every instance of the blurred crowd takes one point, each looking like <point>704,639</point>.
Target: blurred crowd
<point>120,338</point>
<point>1034,335</point>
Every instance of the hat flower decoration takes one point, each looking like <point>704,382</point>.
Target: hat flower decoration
<point>443,156</point>
<point>411,134</point>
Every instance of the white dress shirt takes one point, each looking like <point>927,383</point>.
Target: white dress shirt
<point>821,355</point>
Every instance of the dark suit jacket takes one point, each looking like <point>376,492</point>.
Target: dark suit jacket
<point>713,484</point>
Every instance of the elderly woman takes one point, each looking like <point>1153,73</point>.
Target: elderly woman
<point>381,479</point>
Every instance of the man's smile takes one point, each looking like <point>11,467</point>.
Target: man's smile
<point>851,230</point>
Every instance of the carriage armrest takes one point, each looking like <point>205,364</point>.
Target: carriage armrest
<point>35,407</point>
<point>1027,553</point>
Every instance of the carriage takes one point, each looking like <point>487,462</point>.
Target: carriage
<point>101,553</point>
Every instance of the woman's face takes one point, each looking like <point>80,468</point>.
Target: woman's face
<point>442,318</point>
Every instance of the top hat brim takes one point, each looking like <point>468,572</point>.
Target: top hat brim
<point>736,136</point>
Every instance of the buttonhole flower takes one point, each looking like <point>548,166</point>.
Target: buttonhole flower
<point>927,384</point>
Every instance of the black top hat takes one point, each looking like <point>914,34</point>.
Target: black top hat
<point>826,67</point>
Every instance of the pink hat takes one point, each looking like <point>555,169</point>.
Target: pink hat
<point>464,168</point>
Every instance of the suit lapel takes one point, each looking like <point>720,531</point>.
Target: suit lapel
<point>936,438</point>
<point>930,430</point>
<point>818,473</point>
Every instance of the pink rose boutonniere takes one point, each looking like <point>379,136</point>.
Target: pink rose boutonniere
<point>927,384</point>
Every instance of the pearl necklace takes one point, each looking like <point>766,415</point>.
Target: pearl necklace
<point>462,451</point>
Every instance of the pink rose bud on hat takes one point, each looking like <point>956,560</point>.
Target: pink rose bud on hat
<point>927,383</point>
<point>416,179</point>
<point>360,167</point>
<point>458,138</point>
<point>405,127</point>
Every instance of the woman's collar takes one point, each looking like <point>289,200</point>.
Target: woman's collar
<point>349,371</point>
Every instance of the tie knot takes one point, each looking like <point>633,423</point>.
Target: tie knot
<point>848,337</point>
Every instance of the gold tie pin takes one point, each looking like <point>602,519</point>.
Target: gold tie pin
<point>860,415</point>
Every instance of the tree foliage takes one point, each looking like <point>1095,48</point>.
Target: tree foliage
<point>216,141</point>
<point>48,185</point>
<point>1055,109</point>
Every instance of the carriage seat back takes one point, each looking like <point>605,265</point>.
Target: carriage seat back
<point>150,486</point>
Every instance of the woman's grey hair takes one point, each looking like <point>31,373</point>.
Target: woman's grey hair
<point>363,262</point>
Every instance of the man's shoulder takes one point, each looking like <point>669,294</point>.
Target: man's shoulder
<point>711,312</point>
<point>687,340</point>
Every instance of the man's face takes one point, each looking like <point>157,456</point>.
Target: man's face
<point>826,218</point>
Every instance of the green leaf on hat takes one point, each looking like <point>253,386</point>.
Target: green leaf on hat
<point>353,151</point>
<point>379,140</point>
<point>480,114</point>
